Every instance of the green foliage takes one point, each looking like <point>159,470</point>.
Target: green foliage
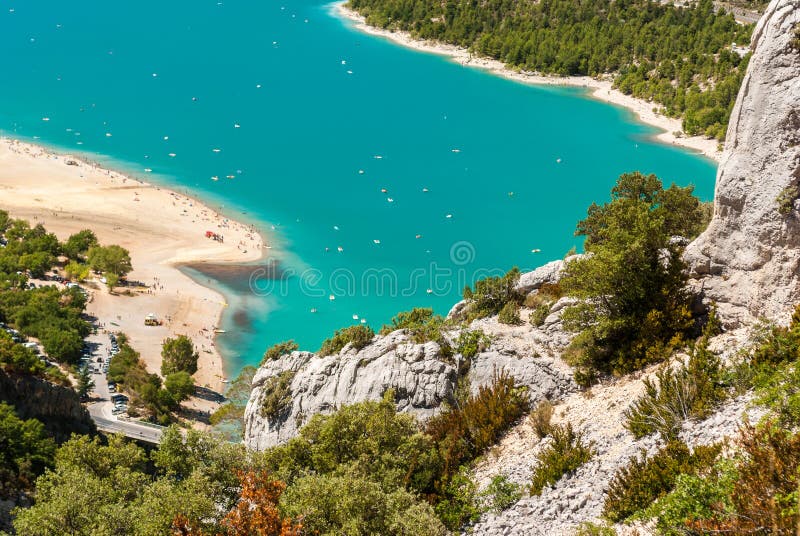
<point>786,199</point>
<point>634,306</point>
<point>26,452</point>
<point>500,494</point>
<point>693,73</point>
<point>76,271</point>
<point>110,490</point>
<point>85,382</point>
<point>180,385</point>
<point>509,314</point>
<point>491,294</point>
<point>796,39</point>
<point>588,528</point>
<point>109,259</point>
<point>349,503</point>
<point>51,315</point>
<point>410,320</point>
<point>18,359</point>
<point>644,480</point>
<point>678,394</point>
<point>471,342</point>
<point>279,350</point>
<point>359,336</point>
<point>277,395</point>
<point>178,355</point>
<point>539,314</point>
<point>465,430</point>
<point>694,497</point>
<point>78,244</point>
<point>562,456</point>
<point>457,501</point>
<point>28,249</point>
<point>540,417</point>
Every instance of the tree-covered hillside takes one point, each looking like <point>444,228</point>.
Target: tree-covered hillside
<point>681,58</point>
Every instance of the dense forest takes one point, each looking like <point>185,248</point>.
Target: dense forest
<point>679,57</point>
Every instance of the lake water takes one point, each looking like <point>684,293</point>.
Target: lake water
<point>313,120</point>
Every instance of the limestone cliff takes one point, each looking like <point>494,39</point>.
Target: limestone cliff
<point>421,378</point>
<point>748,260</point>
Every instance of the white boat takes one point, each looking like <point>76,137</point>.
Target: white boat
<point>331,297</point>
<point>449,216</point>
<point>214,178</point>
<point>390,200</point>
<point>355,317</point>
<point>314,310</point>
<point>216,150</point>
<point>377,241</point>
<point>340,248</point>
<point>537,250</point>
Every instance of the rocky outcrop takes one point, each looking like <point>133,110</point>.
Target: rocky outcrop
<point>421,378</point>
<point>748,260</point>
<point>56,406</point>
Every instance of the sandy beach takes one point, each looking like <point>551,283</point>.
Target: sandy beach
<point>161,229</point>
<point>598,89</point>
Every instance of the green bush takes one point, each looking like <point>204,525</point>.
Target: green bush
<point>562,456</point>
<point>633,307</point>
<point>470,342</point>
<point>492,294</point>
<point>26,452</point>
<point>279,350</point>
<point>690,391</point>
<point>644,480</point>
<point>178,355</point>
<point>277,395</point>
<point>464,431</point>
<point>539,314</point>
<point>786,199</point>
<point>359,336</point>
<point>588,528</point>
<point>500,494</point>
<point>509,314</point>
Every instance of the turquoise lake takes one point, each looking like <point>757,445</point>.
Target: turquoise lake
<point>513,166</point>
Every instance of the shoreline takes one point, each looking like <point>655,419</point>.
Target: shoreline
<point>68,192</point>
<point>597,89</point>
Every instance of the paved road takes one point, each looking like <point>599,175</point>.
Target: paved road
<point>100,411</point>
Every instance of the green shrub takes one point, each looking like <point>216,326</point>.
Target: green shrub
<point>588,528</point>
<point>786,199</point>
<point>562,456</point>
<point>677,395</point>
<point>411,320</point>
<point>539,315</point>
<point>644,480</point>
<point>26,452</point>
<point>492,294</point>
<point>279,350</point>
<point>695,497</point>
<point>540,419</point>
<point>633,307</point>
<point>500,494</point>
<point>466,430</point>
<point>509,314</point>
<point>470,343</point>
<point>277,394</point>
<point>359,335</point>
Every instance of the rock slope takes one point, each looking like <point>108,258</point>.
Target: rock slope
<point>420,377</point>
<point>748,260</point>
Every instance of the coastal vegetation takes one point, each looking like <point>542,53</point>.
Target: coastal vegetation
<point>633,306</point>
<point>694,73</point>
<point>178,355</point>
<point>357,336</point>
<point>279,350</point>
<point>491,294</point>
<point>27,451</point>
<point>565,453</point>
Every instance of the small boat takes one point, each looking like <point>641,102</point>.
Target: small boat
<point>172,155</point>
<point>418,236</point>
<point>335,227</point>
<point>355,317</point>
<point>537,250</point>
<point>166,138</point>
<point>215,150</point>
<point>45,119</point>
<point>360,171</point>
<point>390,200</point>
<point>230,176</point>
<point>377,157</point>
<point>331,297</point>
<point>219,331</point>
<point>425,190</point>
<point>147,170</point>
<point>108,134</point>
<point>429,291</point>
<point>214,178</point>
<point>237,125</point>
<point>558,160</point>
<point>456,150</point>
<point>349,71</point>
<point>363,320</point>
<point>340,248</point>
<point>377,241</point>
<point>449,216</point>
<point>344,62</point>
<point>384,190</point>
<point>314,310</point>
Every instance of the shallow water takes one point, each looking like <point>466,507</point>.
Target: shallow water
<point>315,102</point>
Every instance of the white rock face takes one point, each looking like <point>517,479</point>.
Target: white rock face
<point>549,273</point>
<point>420,377</point>
<point>748,260</point>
